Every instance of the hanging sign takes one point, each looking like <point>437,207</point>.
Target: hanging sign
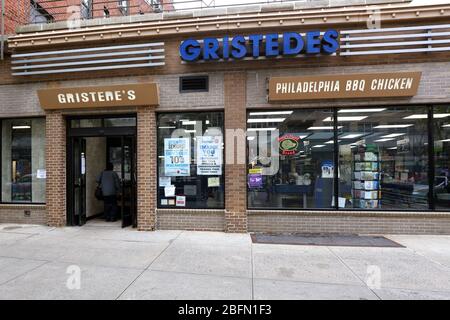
<point>209,155</point>
<point>177,157</point>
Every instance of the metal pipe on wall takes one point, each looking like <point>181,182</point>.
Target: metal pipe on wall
<point>2,31</point>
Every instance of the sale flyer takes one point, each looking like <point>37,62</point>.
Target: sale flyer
<point>177,157</point>
<point>209,155</point>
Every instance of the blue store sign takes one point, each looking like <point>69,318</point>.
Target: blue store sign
<point>257,45</point>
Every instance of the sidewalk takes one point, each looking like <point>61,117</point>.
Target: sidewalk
<point>39,262</point>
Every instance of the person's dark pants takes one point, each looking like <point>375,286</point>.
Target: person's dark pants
<point>110,207</point>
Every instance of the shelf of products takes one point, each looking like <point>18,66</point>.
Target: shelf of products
<point>366,177</point>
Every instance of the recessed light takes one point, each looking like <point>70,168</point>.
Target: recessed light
<point>342,119</point>
<point>319,146</point>
<point>446,140</point>
<point>352,136</point>
<point>361,110</point>
<point>270,113</point>
<point>393,135</point>
<point>167,127</point>
<point>446,126</point>
<point>261,129</point>
<point>393,126</point>
<point>393,148</point>
<point>384,140</point>
<point>251,138</point>
<point>323,128</point>
<point>190,131</point>
<point>21,127</point>
<point>188,122</point>
<point>425,116</point>
<point>265,120</point>
<point>332,142</point>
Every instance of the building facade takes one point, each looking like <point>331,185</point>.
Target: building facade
<point>294,117</point>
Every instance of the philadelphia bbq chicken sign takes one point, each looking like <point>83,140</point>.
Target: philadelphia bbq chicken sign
<point>257,45</point>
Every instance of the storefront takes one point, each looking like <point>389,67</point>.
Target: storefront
<point>294,121</point>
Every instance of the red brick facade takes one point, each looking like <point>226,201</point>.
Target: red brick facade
<point>55,154</point>
<point>146,168</point>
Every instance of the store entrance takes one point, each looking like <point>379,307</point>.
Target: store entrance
<point>106,155</point>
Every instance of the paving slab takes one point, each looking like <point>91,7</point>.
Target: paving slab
<point>206,258</point>
<point>435,248</point>
<point>396,268</point>
<point>402,294</point>
<point>49,282</point>
<point>290,290</point>
<point>128,235</point>
<point>300,263</point>
<point>214,238</point>
<point>7,239</point>
<point>119,254</point>
<point>11,268</point>
<point>156,285</point>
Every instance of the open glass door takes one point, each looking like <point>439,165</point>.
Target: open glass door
<point>128,200</point>
<point>79,181</point>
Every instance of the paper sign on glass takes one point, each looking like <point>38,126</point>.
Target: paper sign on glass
<point>177,157</point>
<point>209,155</point>
<point>169,191</point>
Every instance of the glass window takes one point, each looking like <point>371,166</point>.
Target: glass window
<point>23,160</point>
<point>86,123</point>
<point>190,160</point>
<point>290,159</point>
<point>120,122</point>
<point>383,158</point>
<point>442,157</point>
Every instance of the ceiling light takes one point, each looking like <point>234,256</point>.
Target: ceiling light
<point>319,146</point>
<point>261,129</point>
<point>393,135</point>
<point>323,128</point>
<point>393,148</point>
<point>167,127</point>
<point>190,131</point>
<point>332,142</point>
<point>361,110</point>
<point>188,123</point>
<point>21,127</point>
<point>352,136</point>
<point>446,140</point>
<point>393,126</point>
<point>341,119</point>
<point>270,113</point>
<point>265,120</point>
<point>425,116</point>
<point>384,140</point>
<point>251,138</point>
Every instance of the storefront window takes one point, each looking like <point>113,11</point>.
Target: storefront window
<point>442,157</point>
<point>290,159</point>
<point>383,158</point>
<point>23,161</point>
<point>190,160</point>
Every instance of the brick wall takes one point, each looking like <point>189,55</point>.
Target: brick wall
<point>146,168</point>
<point>235,177</point>
<point>17,12</point>
<point>193,220</point>
<point>350,223</point>
<point>36,214</point>
<point>55,155</point>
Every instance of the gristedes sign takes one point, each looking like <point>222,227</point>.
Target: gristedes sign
<point>373,85</point>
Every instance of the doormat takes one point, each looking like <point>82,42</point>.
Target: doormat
<point>326,240</point>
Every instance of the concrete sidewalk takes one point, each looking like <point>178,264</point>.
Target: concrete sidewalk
<point>107,262</point>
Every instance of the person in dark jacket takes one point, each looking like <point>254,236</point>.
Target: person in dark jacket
<point>109,181</point>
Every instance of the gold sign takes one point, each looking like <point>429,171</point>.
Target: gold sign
<point>400,84</point>
<point>141,94</point>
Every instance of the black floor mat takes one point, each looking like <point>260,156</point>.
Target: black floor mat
<point>326,240</point>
